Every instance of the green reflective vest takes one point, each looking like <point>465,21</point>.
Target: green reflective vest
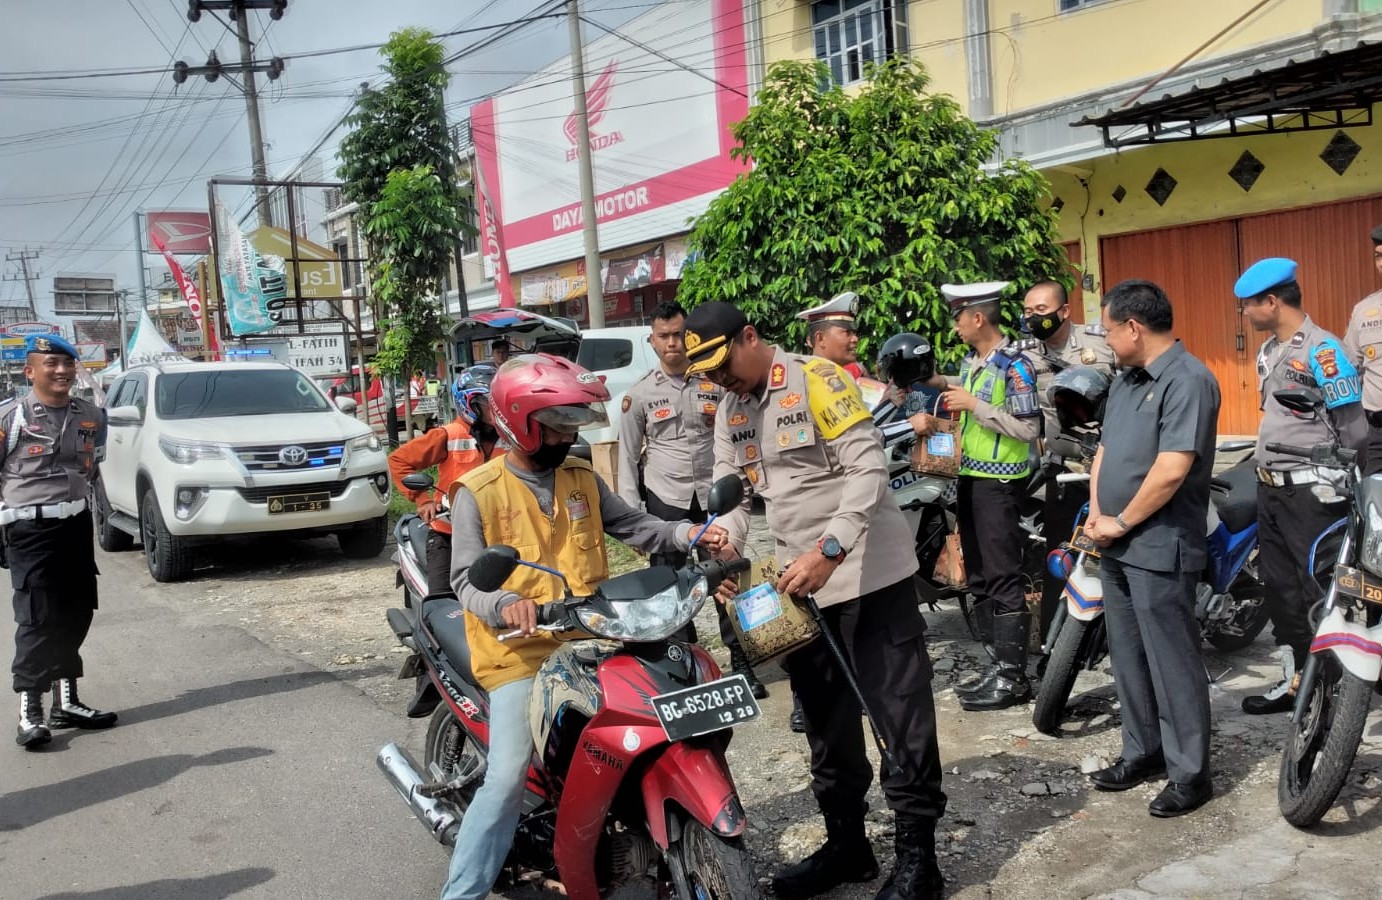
<point>984,453</point>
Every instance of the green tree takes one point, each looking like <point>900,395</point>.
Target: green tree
<point>399,164</point>
<point>884,192</point>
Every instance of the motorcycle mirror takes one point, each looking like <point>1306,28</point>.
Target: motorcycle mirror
<point>418,481</point>
<point>725,495</point>
<point>493,567</point>
<point>1302,403</point>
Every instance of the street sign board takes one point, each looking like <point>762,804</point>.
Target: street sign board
<point>20,329</point>
<point>93,354</point>
<point>12,350</point>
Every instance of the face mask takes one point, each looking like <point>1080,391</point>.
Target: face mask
<point>483,432</point>
<point>1043,326</point>
<point>549,456</point>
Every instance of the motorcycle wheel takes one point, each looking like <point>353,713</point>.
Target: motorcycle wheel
<point>1319,752</point>
<point>713,867</point>
<point>450,751</point>
<point>1068,656</point>
<point>1249,622</point>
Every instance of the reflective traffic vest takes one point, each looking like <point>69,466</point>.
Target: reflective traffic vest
<point>572,541</point>
<point>984,453</point>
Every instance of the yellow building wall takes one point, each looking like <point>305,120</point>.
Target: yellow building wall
<point>1040,56</point>
<point>1294,176</point>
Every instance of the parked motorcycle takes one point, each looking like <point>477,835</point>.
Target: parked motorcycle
<point>630,729</point>
<point>410,534</point>
<point>1228,600</point>
<point>1339,677</point>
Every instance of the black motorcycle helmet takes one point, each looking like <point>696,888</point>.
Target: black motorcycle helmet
<point>1078,395</point>
<point>906,359</point>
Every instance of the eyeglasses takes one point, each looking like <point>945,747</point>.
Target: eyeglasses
<point>1127,321</point>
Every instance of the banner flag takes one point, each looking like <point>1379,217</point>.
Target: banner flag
<point>253,286</point>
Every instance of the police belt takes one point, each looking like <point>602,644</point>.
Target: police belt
<point>1374,417</point>
<point>1289,479</point>
<point>64,510</point>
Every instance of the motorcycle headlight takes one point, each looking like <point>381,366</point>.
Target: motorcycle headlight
<point>366,442</point>
<point>1371,554</point>
<point>188,452</point>
<point>654,619</point>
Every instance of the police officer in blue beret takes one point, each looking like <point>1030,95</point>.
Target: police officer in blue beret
<point>1295,501</point>
<point>52,442</point>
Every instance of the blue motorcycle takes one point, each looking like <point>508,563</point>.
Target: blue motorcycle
<point>1228,600</point>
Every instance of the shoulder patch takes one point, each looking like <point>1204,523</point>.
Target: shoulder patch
<point>1335,373</point>
<point>835,411</point>
<point>627,402</point>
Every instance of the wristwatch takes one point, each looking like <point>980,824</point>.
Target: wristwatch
<point>831,549</point>
<point>1121,524</point>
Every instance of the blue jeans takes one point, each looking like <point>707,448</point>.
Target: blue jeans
<point>488,825</point>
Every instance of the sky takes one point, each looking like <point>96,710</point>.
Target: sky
<point>78,156</point>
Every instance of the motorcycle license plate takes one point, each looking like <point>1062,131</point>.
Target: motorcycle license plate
<point>1081,542</point>
<point>705,708</point>
<point>1357,583</point>
<point>291,503</point>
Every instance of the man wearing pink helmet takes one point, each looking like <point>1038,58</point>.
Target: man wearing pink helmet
<point>556,511</point>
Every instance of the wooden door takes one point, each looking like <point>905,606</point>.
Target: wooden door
<point>1072,254</point>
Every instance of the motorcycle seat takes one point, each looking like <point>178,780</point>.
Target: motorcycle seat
<point>1237,507</point>
<point>446,620</point>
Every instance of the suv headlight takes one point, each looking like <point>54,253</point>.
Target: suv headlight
<point>366,442</point>
<point>188,452</point>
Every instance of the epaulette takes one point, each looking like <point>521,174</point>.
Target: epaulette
<point>1096,330</point>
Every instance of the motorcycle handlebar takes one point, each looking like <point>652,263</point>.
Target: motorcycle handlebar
<point>1290,449</point>
<point>1068,477</point>
<point>1327,455</point>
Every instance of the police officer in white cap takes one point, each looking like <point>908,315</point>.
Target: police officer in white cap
<point>996,398</point>
<point>832,332</point>
<point>52,442</point>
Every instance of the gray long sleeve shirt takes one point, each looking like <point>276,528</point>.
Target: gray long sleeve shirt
<point>635,528</point>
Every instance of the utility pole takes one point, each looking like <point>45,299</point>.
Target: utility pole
<point>143,284</point>
<point>594,284</point>
<point>247,68</point>
<point>124,329</point>
<point>24,257</point>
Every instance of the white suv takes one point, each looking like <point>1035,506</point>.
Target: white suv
<point>196,451</point>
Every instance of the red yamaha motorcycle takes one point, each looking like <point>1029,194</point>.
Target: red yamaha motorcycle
<point>629,778</point>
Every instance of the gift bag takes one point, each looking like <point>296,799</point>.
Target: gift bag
<point>950,563</point>
<point>769,624</point>
<point>938,454</point>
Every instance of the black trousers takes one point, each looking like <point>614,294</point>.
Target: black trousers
<point>670,513</point>
<point>989,510</point>
<point>884,637</point>
<point>438,562</point>
<point>1062,505</point>
<point>1372,464</point>
<point>1288,521</point>
<point>53,570</point>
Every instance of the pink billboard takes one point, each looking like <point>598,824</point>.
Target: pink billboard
<point>659,136</point>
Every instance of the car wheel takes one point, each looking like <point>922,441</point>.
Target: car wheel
<point>365,541</point>
<point>167,555</point>
<point>110,538</point>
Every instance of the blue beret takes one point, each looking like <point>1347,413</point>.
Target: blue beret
<point>49,343</point>
<point>1264,275</point>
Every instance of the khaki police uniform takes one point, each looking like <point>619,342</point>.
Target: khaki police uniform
<point>1289,515</point>
<point>49,462</point>
<point>809,448</point>
<point>668,424</point>
<point>1084,345</point>
<point>1363,346</point>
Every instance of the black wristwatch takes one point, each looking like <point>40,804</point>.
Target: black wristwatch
<point>831,549</point>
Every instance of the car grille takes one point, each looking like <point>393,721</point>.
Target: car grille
<point>325,455</point>
<point>262,494</point>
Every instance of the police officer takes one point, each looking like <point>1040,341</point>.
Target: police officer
<point>996,397</point>
<point>1058,343</point>
<point>1299,355</point>
<point>797,431</point>
<point>832,332</point>
<point>1363,345</point>
<point>52,443</point>
<point>668,423</point>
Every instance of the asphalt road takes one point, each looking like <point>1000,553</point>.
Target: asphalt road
<point>236,770</point>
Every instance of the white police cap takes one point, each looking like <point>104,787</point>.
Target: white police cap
<point>841,309</point>
<point>960,296</point>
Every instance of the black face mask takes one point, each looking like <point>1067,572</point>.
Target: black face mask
<point>549,456</point>
<point>483,432</point>
<point>1043,326</point>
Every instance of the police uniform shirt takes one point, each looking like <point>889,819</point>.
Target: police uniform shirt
<point>1363,345</point>
<point>51,453</point>
<point>676,418</point>
<point>1315,360</point>
<point>809,448</point>
<point>1018,417</point>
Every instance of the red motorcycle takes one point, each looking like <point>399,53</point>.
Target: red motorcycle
<point>629,777</point>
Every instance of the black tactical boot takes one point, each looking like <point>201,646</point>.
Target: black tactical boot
<point>70,712</point>
<point>846,856</point>
<point>915,874</point>
<point>797,721</point>
<point>739,665</point>
<point>33,731</point>
<point>1009,686</point>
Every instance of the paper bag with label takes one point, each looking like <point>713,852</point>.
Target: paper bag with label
<point>938,454</point>
<point>768,624</point>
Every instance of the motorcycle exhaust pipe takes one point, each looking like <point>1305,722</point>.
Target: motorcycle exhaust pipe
<point>402,772</point>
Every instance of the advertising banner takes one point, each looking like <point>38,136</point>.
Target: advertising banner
<point>253,286</point>
<point>179,231</point>
<point>659,114</point>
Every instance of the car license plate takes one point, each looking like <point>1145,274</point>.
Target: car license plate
<point>291,503</point>
<point>1081,542</point>
<point>1357,583</point>
<point>705,708</point>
